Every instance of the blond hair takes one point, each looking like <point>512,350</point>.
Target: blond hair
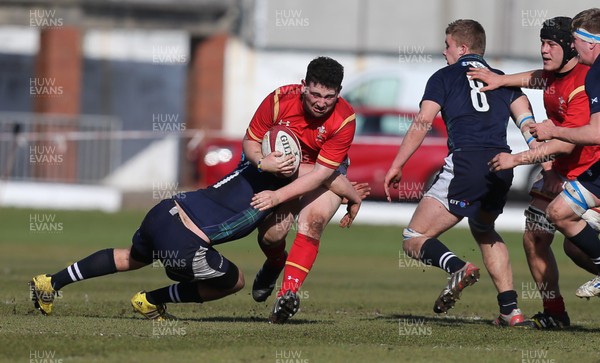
<point>468,32</point>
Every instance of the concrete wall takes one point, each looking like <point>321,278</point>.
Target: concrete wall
<point>512,26</point>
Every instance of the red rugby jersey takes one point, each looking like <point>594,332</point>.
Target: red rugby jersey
<point>323,140</point>
<point>567,105</point>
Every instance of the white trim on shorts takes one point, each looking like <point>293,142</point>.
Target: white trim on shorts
<point>440,189</point>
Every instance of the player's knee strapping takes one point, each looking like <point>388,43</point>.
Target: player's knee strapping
<point>536,220</point>
<point>577,197</point>
<point>409,233</point>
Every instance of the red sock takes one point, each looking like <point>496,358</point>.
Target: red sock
<point>275,253</point>
<point>299,262</point>
<point>554,306</point>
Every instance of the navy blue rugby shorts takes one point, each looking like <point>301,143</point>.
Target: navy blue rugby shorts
<point>466,186</point>
<point>185,256</point>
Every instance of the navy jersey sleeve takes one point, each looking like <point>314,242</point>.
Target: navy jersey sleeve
<point>435,90</point>
<point>516,93</point>
<point>592,86</point>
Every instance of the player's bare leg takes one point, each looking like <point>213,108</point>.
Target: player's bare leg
<point>427,210</point>
<point>318,207</point>
<point>537,240</point>
<point>497,261</point>
<point>271,239</point>
<point>420,242</point>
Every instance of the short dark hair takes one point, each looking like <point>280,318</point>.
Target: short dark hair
<point>468,32</point>
<point>325,71</point>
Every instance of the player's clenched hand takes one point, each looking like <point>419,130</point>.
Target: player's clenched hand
<point>485,75</point>
<point>351,212</point>
<point>393,177</point>
<point>503,161</point>
<point>265,200</point>
<point>276,163</point>
<point>363,190</point>
<point>543,131</point>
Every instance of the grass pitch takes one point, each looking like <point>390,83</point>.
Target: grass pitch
<point>364,301</point>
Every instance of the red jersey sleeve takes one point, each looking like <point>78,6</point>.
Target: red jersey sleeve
<point>263,118</point>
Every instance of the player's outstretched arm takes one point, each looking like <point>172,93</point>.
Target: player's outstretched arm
<point>585,135</point>
<point>411,142</point>
<point>529,79</point>
<point>303,184</point>
<point>544,153</point>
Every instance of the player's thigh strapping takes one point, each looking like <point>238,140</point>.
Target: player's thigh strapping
<point>581,194</point>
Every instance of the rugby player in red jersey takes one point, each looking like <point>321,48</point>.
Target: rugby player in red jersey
<point>583,193</point>
<point>562,79</point>
<point>325,124</point>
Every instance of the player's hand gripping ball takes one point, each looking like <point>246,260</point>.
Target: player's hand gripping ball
<point>280,138</point>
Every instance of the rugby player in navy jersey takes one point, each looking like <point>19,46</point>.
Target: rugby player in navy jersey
<point>181,233</point>
<point>476,124</point>
<point>584,192</point>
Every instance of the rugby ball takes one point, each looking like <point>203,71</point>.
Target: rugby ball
<point>280,138</point>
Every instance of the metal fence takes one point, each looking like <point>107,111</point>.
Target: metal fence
<point>50,148</point>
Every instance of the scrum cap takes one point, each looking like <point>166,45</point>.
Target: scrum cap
<point>558,29</point>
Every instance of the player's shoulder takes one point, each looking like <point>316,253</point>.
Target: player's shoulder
<point>343,107</point>
<point>343,113</point>
<point>579,72</point>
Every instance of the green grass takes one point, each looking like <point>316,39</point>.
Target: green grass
<point>363,302</point>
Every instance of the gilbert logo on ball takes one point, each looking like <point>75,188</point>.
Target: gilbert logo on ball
<point>281,138</point>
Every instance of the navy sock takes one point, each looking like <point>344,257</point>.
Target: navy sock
<point>178,293</point>
<point>507,301</point>
<point>97,264</point>
<point>435,253</point>
<point>587,241</point>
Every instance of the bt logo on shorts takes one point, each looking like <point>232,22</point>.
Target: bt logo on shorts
<point>460,203</point>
